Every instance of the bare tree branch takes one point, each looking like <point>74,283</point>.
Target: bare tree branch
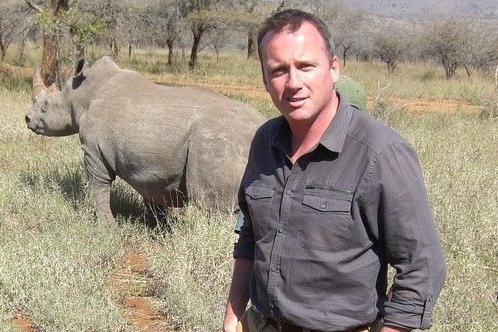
<point>34,6</point>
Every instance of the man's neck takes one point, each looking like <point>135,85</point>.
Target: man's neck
<point>307,134</point>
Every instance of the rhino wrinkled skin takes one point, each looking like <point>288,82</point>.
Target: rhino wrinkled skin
<point>171,144</point>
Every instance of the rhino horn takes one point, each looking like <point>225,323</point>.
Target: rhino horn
<point>39,86</point>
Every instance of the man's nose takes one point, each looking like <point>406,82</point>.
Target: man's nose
<point>294,80</point>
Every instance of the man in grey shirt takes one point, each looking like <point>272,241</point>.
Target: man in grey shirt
<point>330,198</point>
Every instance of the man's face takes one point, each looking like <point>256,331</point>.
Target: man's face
<point>298,72</point>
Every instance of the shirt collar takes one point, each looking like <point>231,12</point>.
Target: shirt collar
<point>333,137</point>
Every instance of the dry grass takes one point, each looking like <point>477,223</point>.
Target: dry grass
<point>56,262</point>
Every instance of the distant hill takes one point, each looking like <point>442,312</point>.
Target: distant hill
<point>410,9</point>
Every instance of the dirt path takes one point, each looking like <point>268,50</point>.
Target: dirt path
<point>132,284</point>
<point>419,105</point>
<point>23,324</point>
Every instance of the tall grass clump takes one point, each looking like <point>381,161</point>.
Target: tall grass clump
<point>194,267</point>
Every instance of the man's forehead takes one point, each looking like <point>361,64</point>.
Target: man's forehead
<point>300,34</point>
<point>272,34</point>
<point>291,36</point>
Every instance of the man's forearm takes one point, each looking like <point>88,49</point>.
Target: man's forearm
<point>239,293</point>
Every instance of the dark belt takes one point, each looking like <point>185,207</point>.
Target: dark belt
<point>286,327</point>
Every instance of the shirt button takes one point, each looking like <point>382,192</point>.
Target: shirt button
<point>280,229</point>
<point>274,269</point>
<point>289,192</point>
<point>324,205</point>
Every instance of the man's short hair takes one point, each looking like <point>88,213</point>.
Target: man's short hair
<point>292,19</point>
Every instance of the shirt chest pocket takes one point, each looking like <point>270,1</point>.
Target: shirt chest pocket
<point>259,199</point>
<point>325,219</point>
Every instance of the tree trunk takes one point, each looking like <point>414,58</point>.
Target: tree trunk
<point>391,65</point>
<point>195,47</point>
<point>169,42</point>
<point>344,53</point>
<point>50,58</point>
<point>22,51</point>
<point>251,47</point>
<point>450,70</point>
<point>467,70</point>
<point>51,43</point>
<point>129,50</point>
<point>115,48</point>
<point>3,51</point>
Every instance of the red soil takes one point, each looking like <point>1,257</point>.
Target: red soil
<point>131,283</point>
<point>23,324</point>
<point>417,105</point>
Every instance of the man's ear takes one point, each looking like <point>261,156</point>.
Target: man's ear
<point>265,82</point>
<point>334,69</point>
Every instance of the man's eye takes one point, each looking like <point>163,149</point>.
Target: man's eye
<point>306,67</point>
<point>277,72</point>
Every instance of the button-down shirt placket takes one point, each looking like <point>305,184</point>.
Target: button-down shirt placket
<point>291,179</point>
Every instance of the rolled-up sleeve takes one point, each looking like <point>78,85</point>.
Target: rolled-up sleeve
<point>397,211</point>
<point>244,247</point>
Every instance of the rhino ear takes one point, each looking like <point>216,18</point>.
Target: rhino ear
<point>80,68</point>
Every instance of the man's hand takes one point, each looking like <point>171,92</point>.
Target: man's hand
<point>239,294</point>
<point>230,323</point>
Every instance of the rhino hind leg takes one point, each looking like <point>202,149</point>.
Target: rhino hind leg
<point>154,214</point>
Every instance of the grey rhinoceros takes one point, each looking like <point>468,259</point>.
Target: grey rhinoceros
<point>171,144</point>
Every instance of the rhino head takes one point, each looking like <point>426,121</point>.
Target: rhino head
<point>53,113</point>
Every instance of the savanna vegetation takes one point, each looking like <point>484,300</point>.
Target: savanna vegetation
<point>58,264</point>
<point>62,270</point>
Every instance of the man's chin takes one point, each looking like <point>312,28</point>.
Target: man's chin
<point>299,115</point>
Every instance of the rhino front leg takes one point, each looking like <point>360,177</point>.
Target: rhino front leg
<point>100,180</point>
<point>102,197</point>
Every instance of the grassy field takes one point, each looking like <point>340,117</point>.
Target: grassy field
<point>57,264</point>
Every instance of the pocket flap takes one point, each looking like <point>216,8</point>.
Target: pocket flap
<point>327,204</point>
<point>258,191</point>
